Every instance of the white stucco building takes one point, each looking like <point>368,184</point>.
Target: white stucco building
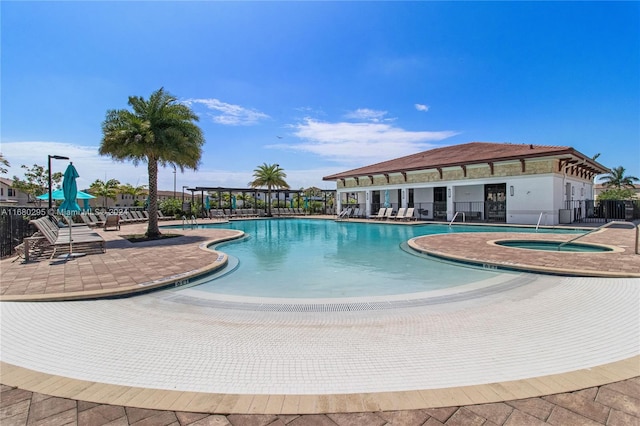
<point>490,182</point>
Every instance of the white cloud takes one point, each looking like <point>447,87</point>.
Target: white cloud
<point>360,143</point>
<point>92,166</point>
<point>366,114</point>
<point>422,107</point>
<point>229,114</point>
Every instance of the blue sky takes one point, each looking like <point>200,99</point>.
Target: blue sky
<point>320,87</point>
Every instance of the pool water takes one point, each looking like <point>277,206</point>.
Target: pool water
<point>553,246</point>
<point>306,258</point>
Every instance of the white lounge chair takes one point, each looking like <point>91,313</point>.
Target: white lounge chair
<point>409,214</point>
<point>400,214</point>
<point>380,214</point>
<point>389,213</point>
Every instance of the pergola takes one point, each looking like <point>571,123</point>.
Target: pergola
<point>200,190</point>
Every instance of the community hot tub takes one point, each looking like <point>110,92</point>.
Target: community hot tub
<point>553,246</point>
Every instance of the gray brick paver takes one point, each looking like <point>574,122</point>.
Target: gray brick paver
<point>49,407</point>
<point>496,413</point>
<point>579,405</point>
<point>250,419</point>
<point>627,403</point>
<point>357,419</point>
<point>407,417</point>
<point>563,417</point>
<point>619,418</point>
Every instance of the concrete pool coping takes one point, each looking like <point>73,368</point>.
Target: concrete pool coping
<point>226,403</point>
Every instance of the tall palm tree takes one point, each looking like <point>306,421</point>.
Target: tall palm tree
<point>158,131</point>
<point>134,191</point>
<point>108,189</point>
<point>269,176</point>
<point>617,179</point>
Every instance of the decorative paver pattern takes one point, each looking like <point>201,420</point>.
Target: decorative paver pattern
<point>19,407</point>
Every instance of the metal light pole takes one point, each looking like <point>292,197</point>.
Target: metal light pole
<point>174,182</point>
<point>55,157</point>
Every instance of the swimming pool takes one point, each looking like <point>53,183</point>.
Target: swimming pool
<point>307,258</point>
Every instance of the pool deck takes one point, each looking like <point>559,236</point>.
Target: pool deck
<point>607,393</point>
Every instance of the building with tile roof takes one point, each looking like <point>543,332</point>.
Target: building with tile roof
<point>484,181</point>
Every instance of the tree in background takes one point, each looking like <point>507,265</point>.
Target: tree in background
<point>158,131</point>
<point>134,191</point>
<point>4,163</point>
<point>108,189</point>
<point>270,176</point>
<point>36,182</point>
<point>618,179</point>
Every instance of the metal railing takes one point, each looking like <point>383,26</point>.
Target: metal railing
<point>606,225</point>
<point>456,215</point>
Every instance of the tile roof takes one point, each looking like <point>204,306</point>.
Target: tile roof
<point>465,154</point>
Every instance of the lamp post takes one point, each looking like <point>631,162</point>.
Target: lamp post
<point>183,187</point>
<point>174,182</point>
<point>55,157</point>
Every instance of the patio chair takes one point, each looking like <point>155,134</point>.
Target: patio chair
<point>388,214</point>
<point>400,214</point>
<point>59,237</point>
<point>380,215</point>
<point>409,214</point>
<point>113,221</point>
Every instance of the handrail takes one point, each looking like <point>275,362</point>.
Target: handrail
<point>464,218</point>
<point>540,218</point>
<point>606,225</point>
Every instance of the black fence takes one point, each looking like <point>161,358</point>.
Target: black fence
<point>590,211</point>
<point>14,226</point>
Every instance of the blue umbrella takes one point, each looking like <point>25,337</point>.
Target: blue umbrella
<point>58,194</point>
<point>386,198</point>
<point>233,202</point>
<point>206,203</point>
<point>306,203</point>
<point>69,206</point>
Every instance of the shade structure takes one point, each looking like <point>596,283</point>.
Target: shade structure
<point>58,194</point>
<point>69,206</point>
<point>386,198</point>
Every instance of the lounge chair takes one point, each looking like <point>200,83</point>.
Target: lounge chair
<point>381,213</point>
<point>344,214</point>
<point>389,213</point>
<point>113,221</point>
<point>400,214</point>
<point>58,237</point>
<point>409,214</point>
<point>87,220</point>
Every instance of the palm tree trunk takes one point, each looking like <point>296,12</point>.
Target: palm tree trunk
<point>269,201</point>
<point>152,229</point>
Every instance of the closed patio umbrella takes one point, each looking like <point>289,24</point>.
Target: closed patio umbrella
<point>69,206</point>
<point>386,198</point>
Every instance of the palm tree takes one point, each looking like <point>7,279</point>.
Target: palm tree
<point>617,179</point>
<point>108,189</point>
<point>271,176</point>
<point>158,131</point>
<point>134,191</point>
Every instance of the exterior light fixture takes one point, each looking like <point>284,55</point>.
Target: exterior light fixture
<point>511,190</point>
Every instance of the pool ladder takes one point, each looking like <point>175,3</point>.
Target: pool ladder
<point>191,222</point>
<point>464,219</point>
<point>540,219</point>
<point>606,225</point>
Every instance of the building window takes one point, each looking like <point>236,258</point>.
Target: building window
<point>11,192</point>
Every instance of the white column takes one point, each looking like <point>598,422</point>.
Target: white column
<point>451,195</point>
<point>367,196</point>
